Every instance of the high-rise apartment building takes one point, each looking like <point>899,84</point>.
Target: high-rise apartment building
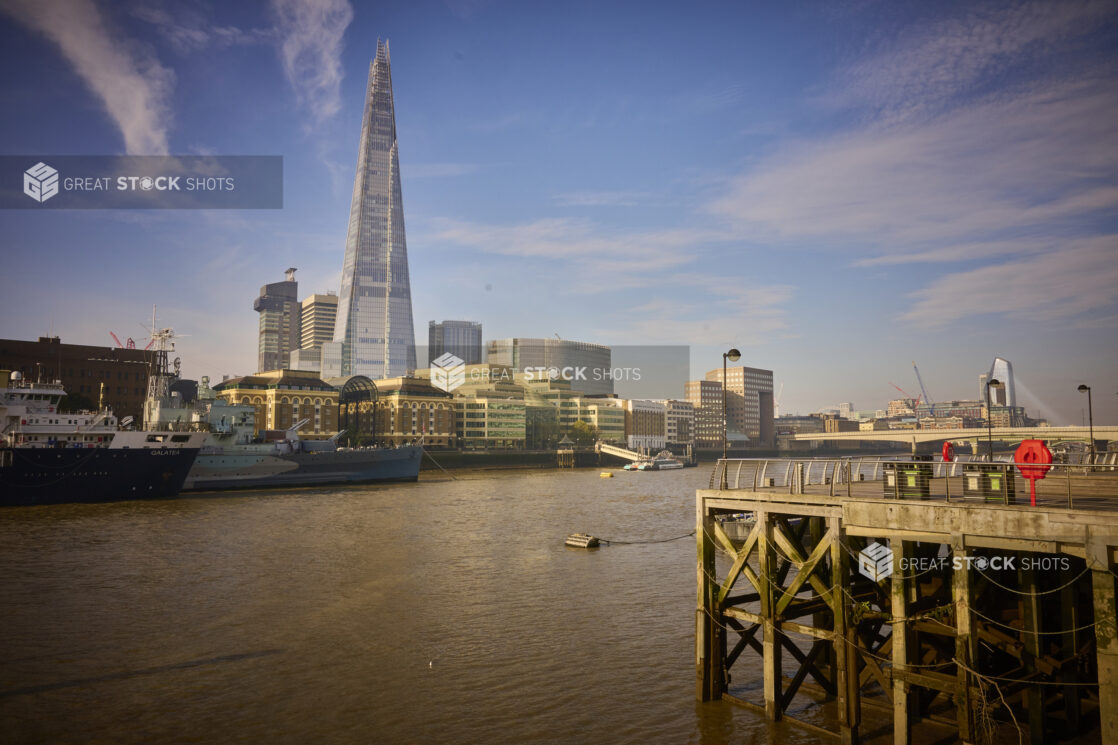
<point>278,306</point>
<point>374,334</point>
<point>588,367</point>
<point>460,338</point>
<point>749,402</point>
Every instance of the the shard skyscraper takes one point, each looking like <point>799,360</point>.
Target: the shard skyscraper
<point>373,333</point>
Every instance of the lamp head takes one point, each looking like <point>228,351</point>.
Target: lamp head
<point>1083,388</point>
<point>733,355</point>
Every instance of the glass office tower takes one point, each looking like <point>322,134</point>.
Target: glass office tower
<point>373,332</point>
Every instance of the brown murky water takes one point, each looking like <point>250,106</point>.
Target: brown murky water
<point>446,611</point>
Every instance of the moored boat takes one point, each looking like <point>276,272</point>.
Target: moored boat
<point>51,457</point>
<point>234,457</point>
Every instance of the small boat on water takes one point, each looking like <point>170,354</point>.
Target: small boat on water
<point>664,461</point>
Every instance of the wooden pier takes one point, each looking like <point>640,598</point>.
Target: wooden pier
<point>931,607</point>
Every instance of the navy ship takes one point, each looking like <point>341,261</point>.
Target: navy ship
<point>233,456</point>
<point>50,457</point>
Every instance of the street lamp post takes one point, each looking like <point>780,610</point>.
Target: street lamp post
<point>1090,417</point>
<point>992,383</point>
<point>733,356</point>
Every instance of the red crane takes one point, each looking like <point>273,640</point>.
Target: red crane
<point>915,399</point>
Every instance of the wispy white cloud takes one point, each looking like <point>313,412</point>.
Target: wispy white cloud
<point>928,66</point>
<point>601,198</point>
<point>742,314</point>
<point>188,30</point>
<point>998,165</point>
<point>1079,280</point>
<point>950,163</point>
<point>659,264</point>
<point>131,84</point>
<point>311,34</point>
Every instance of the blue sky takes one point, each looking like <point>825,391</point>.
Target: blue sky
<point>836,189</point>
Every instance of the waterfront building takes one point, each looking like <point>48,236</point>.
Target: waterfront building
<point>749,402</point>
<point>119,374</point>
<point>283,397</point>
<point>873,425</point>
<point>588,367</point>
<point>646,425</point>
<point>278,306</point>
<point>410,409</point>
<point>491,410</point>
<point>706,398</point>
<point>460,338</point>
<point>491,419</point>
<point>604,414</point>
<point>680,421</point>
<point>373,333</point>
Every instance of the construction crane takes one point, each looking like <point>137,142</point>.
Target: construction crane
<point>116,339</point>
<point>776,402</point>
<point>923,390</point>
<point>915,399</point>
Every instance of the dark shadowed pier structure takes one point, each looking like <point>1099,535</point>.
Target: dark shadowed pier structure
<point>932,595</point>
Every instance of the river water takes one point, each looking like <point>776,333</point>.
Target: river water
<point>446,611</point>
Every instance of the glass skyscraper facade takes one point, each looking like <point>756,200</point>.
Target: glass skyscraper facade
<point>373,333</point>
<point>460,338</point>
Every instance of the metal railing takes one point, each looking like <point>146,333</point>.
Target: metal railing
<point>1078,485</point>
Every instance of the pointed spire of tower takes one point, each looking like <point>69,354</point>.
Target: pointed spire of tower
<point>374,322</point>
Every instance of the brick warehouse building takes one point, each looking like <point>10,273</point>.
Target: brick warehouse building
<point>82,369</point>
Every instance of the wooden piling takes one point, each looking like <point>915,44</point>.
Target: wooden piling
<point>925,621</point>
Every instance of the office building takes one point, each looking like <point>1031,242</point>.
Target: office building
<point>705,396</point>
<point>121,375</point>
<point>373,334</point>
<point>588,367</point>
<point>749,402</point>
<point>318,314</point>
<point>460,338</point>
<point>646,425</point>
<point>1001,370</point>
<point>680,420</point>
<point>278,306</point>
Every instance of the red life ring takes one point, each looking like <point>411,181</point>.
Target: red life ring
<point>948,452</point>
<point>1033,458</point>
